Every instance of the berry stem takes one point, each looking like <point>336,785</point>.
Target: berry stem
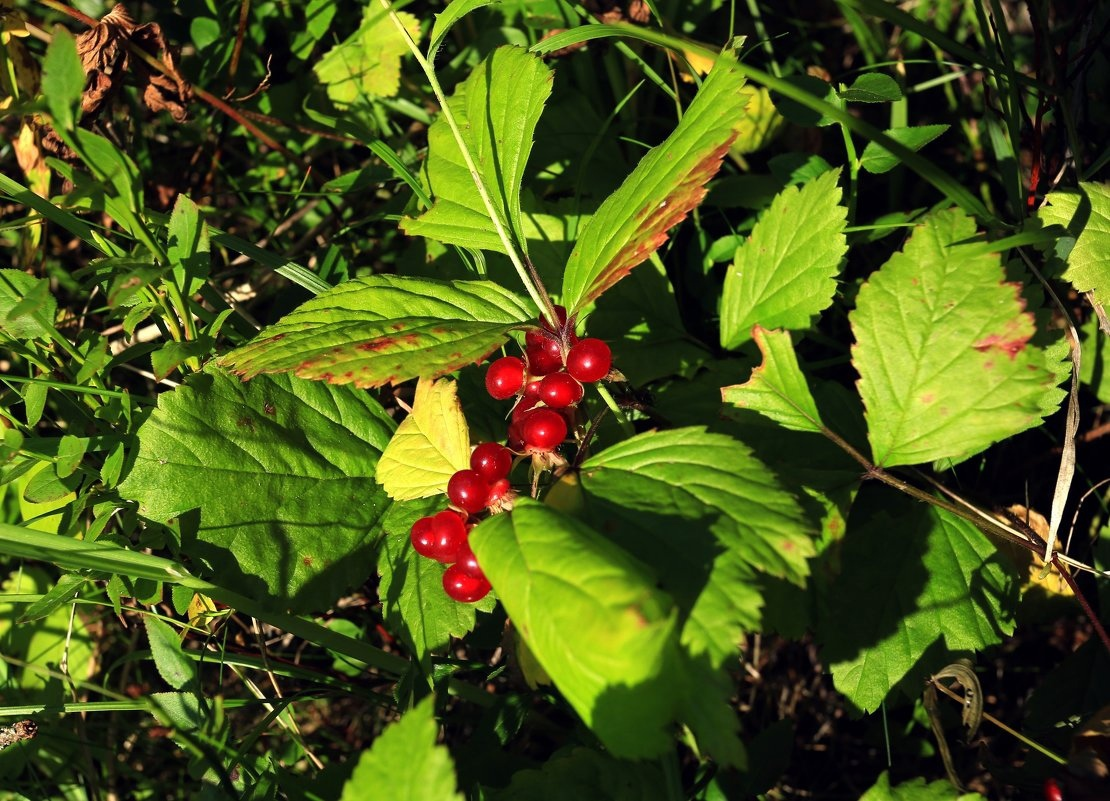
<point>625,424</point>
<point>535,287</point>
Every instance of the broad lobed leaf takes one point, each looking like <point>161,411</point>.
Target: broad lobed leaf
<point>386,329</point>
<point>669,181</point>
<point>1086,215</point>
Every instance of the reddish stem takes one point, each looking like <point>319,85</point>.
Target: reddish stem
<point>1083,602</point>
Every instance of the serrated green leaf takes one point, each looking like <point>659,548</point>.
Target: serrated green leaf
<point>942,349</point>
<point>877,159</point>
<point>367,64</point>
<point>785,273</point>
<point>872,87</point>
<point>405,763</point>
<point>173,666</point>
<point>386,329</point>
<point>1086,215</point>
<point>282,472</point>
<point>632,223</point>
<point>706,512</point>
<point>63,79</point>
<point>917,585</point>
<point>593,618</point>
<point>497,109</point>
<point>446,19</point>
<point>581,773</point>
<point>429,446</point>
<point>915,790</point>
<point>411,587</point>
<point>777,388</point>
<point>27,308</point>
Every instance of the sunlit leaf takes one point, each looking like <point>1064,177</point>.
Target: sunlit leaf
<point>877,159</point>
<point>777,388</point>
<point>1086,215</point>
<point>367,64</point>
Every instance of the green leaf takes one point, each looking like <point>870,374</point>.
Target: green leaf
<point>173,354</point>
<point>777,388</point>
<point>405,763</point>
<point>173,666</point>
<point>411,587</point>
<point>583,773</point>
<point>872,87</point>
<point>445,20</point>
<point>429,446</point>
<point>942,348</point>
<point>592,617</point>
<point>367,64</point>
<point>71,450</point>
<point>707,514</point>
<point>877,159</point>
<point>27,308</point>
<point>917,584</point>
<point>386,329</point>
<point>1094,366</point>
<point>187,245</point>
<point>801,114</point>
<point>63,79</point>
<point>1086,215</point>
<point>632,223</point>
<point>762,122</point>
<point>61,594</point>
<point>282,472</point>
<point>915,790</point>
<point>784,274</point>
<point>496,109</point>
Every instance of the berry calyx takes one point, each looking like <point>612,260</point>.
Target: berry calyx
<point>463,587</point>
<point>467,562</point>
<point>491,461</point>
<point>505,377</point>
<point>542,430</point>
<point>589,360</point>
<point>468,491</point>
<point>559,390</point>
<point>501,496</point>
<point>439,536</point>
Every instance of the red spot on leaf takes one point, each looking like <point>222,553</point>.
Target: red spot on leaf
<point>928,397</point>
<point>349,374</point>
<point>398,326</point>
<point>276,338</point>
<point>1011,347</point>
<point>307,561</point>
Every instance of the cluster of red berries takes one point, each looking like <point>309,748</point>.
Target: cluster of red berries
<point>547,384</point>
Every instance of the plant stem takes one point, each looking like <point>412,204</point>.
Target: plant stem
<point>539,297</point>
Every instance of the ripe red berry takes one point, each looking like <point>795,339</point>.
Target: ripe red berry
<point>529,399</point>
<point>505,377</point>
<point>468,491</point>
<point>559,390</point>
<point>500,495</point>
<point>466,561</point>
<point>463,587</point>
<point>560,316</point>
<point>543,352</point>
<point>542,430</point>
<point>439,536</point>
<point>1052,791</point>
<point>589,360</point>
<point>491,461</point>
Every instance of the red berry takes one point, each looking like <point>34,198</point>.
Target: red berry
<point>1052,791</point>
<point>491,461</point>
<point>559,390</point>
<point>543,352</point>
<point>560,316</point>
<point>463,587</point>
<point>499,492</point>
<point>529,399</point>
<point>543,430</point>
<point>439,537</point>
<point>505,377</point>
<point>466,561</point>
<point>468,491</point>
<point>589,360</point>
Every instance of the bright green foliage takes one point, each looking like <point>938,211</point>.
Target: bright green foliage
<point>187,246</point>
<point>1086,215</point>
<point>877,159</point>
<point>447,18</point>
<point>942,348</point>
<point>594,620</point>
<point>915,790</point>
<point>367,64</point>
<point>385,329</point>
<point>784,274</point>
<point>165,647</point>
<point>777,389</point>
<point>282,471</point>
<point>632,223</point>
<point>917,585</point>
<point>872,87</point>
<point>405,763</point>
<point>496,109</point>
<point>707,514</point>
<point>411,586</point>
<point>1094,365</point>
<point>27,308</point>
<point>761,122</point>
<point>62,79</point>
<point>583,773</point>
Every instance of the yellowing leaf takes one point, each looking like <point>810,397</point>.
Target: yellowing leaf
<point>761,124</point>
<point>368,63</point>
<point>428,447</point>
